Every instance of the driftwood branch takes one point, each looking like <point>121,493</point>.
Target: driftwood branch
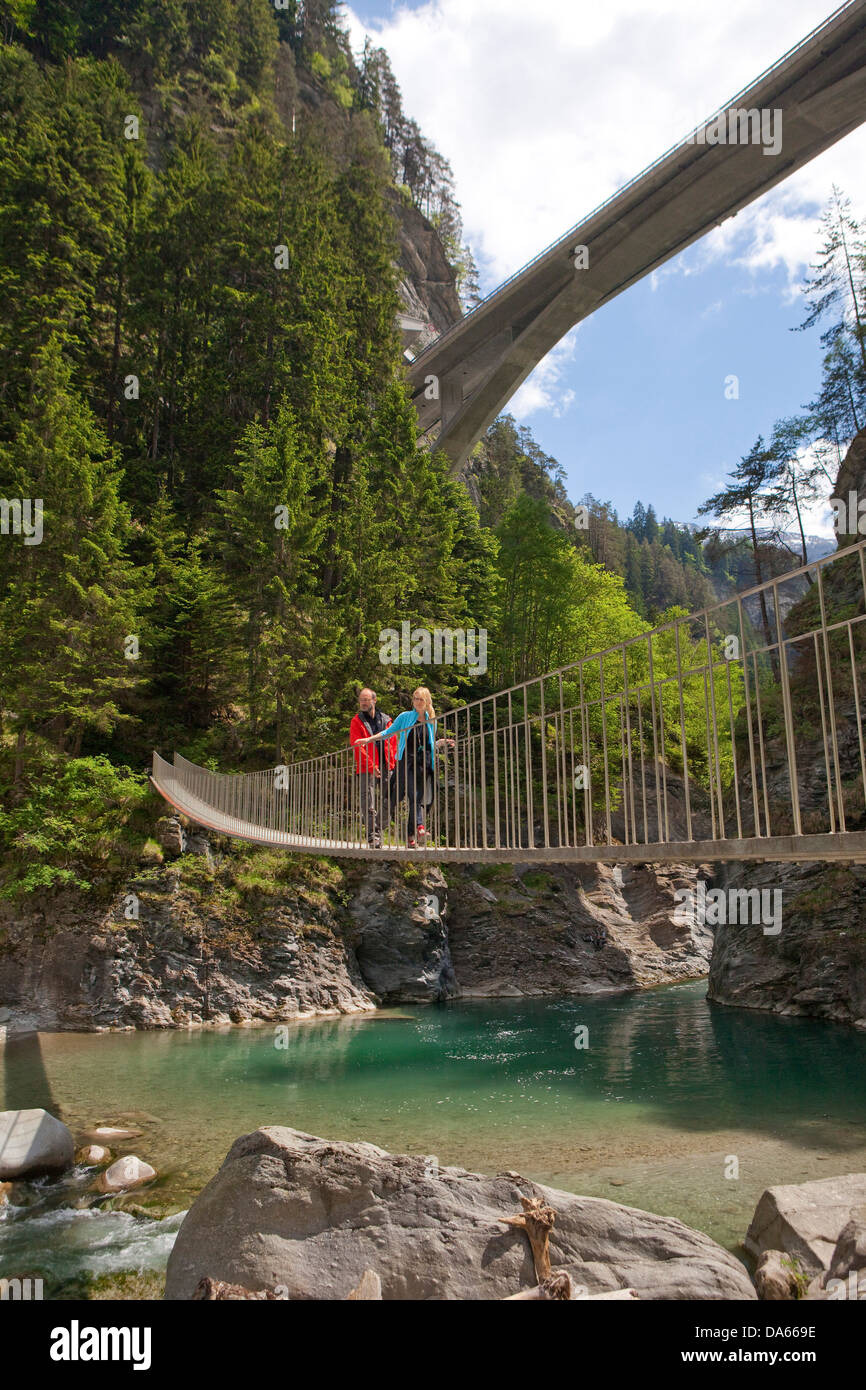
<point>536,1220</point>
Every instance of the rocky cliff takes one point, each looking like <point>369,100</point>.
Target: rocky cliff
<point>214,942</point>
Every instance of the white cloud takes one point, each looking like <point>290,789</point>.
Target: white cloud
<point>546,109</point>
<point>544,389</point>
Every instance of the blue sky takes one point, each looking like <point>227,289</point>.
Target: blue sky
<point>545,110</point>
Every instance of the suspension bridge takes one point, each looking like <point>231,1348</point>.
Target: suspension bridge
<point>729,734</point>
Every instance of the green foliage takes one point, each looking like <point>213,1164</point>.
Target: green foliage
<point>76,814</point>
<point>556,605</point>
<point>68,603</point>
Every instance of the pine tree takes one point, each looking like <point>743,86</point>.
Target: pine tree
<point>748,490</point>
<point>70,603</point>
<point>270,530</point>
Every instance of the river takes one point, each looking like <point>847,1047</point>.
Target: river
<point>672,1104</point>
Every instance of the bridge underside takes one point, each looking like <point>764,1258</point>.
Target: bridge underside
<point>464,379</point>
<point>847,846</point>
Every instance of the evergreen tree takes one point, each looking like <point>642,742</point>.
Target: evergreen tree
<point>69,603</point>
<point>748,491</point>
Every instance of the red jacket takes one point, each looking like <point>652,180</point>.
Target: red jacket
<point>367,758</point>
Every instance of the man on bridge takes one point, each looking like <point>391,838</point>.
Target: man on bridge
<point>374,792</point>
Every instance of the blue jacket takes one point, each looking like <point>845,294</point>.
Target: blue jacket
<point>403,723</point>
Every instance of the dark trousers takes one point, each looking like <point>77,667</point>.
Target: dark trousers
<point>370,792</point>
<point>411,783</point>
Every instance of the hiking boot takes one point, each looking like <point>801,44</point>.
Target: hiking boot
<point>410,843</point>
<point>421,834</point>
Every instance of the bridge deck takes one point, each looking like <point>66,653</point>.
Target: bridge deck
<point>849,846</point>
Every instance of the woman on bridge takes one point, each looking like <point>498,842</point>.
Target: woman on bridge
<point>416,751</point>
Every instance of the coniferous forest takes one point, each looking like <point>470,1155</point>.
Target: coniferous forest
<point>199,211</point>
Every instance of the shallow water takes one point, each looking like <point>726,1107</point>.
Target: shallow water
<point>676,1106</point>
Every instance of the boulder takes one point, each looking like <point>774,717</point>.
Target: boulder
<point>805,1219</point>
<point>850,1252</point>
<point>124,1174</point>
<point>312,1215</point>
<point>33,1142</point>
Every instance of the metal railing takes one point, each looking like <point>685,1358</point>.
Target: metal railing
<point>735,732</point>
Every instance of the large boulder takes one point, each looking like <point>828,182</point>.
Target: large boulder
<point>33,1142</point>
<point>311,1215</point>
<point>806,1219</point>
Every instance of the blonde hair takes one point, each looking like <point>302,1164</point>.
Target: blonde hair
<point>428,701</point>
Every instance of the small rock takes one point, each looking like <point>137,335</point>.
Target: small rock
<point>774,1277</point>
<point>124,1174</point>
<point>481,891</point>
<point>112,1135</point>
<point>33,1142</point>
<point>91,1155</point>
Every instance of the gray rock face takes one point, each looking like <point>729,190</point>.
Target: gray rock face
<point>816,965</point>
<point>311,1215</point>
<point>33,1142</point>
<point>426,280</point>
<point>806,1219</point>
<point>852,477</point>
<point>175,967</point>
<point>198,843</point>
<point>170,835</point>
<point>590,929</point>
<point>402,942</point>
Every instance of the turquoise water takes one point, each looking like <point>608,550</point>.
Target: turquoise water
<point>675,1105</point>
